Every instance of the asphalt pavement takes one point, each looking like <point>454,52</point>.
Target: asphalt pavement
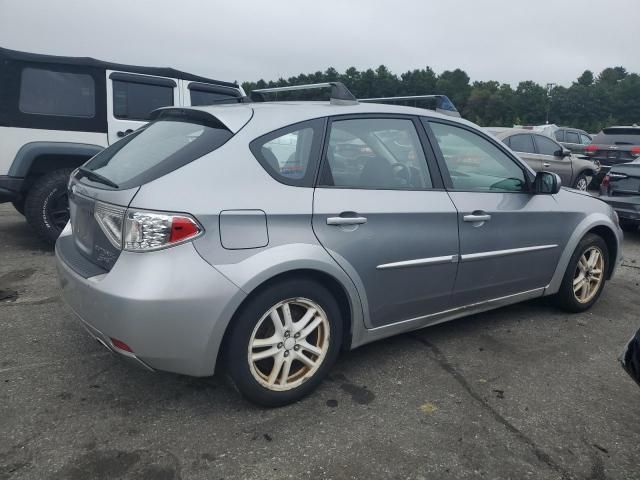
<point>523,392</point>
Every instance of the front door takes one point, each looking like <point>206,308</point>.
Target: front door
<point>132,97</point>
<point>381,213</point>
<point>553,160</point>
<point>508,239</point>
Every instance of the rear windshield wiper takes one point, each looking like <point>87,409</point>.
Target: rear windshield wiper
<point>96,177</point>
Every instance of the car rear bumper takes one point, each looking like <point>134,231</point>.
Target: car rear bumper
<point>170,307</point>
<point>626,207</point>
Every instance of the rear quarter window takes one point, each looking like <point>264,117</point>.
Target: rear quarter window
<point>159,148</point>
<point>290,154</point>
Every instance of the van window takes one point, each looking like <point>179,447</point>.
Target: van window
<point>200,97</point>
<point>136,101</point>
<point>48,92</point>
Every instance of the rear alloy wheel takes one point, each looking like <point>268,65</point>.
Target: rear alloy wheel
<point>581,183</point>
<point>47,205</point>
<point>283,342</point>
<point>584,278</point>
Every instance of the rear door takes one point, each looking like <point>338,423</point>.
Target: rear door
<point>552,159</point>
<point>522,144</point>
<point>509,238</point>
<point>132,97</point>
<point>381,212</point>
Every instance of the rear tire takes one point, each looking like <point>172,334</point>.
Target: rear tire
<point>315,332</point>
<point>584,278</point>
<point>629,225</point>
<point>47,204</point>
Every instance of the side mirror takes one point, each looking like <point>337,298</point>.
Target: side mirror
<point>565,152</point>
<point>547,183</point>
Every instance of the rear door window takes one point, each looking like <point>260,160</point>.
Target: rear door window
<point>159,148</point>
<point>136,101</point>
<point>546,146</point>
<point>572,137</point>
<point>48,92</point>
<point>375,153</point>
<point>522,143</point>
<point>205,94</point>
<point>559,135</point>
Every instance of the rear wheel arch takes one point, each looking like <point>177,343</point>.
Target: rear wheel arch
<point>328,281</point>
<point>611,241</point>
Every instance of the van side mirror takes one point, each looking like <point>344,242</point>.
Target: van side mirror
<point>547,183</point>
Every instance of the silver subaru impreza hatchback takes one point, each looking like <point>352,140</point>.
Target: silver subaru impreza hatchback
<point>264,237</point>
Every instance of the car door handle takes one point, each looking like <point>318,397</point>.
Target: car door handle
<point>546,164</point>
<point>346,220</point>
<point>477,217</point>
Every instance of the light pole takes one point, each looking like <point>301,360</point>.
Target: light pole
<point>550,87</point>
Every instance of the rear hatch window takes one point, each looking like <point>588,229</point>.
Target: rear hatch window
<point>173,140</point>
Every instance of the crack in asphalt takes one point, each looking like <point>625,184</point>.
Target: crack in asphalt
<point>449,368</point>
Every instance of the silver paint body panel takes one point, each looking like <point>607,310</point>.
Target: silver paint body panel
<point>415,261</point>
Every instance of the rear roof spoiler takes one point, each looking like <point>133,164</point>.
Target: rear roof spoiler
<point>340,95</point>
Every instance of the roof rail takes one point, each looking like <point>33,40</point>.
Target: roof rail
<point>443,104</point>
<point>340,95</point>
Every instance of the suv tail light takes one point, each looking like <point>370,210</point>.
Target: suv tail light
<point>635,152</point>
<point>591,149</point>
<point>143,230</point>
<point>605,181</point>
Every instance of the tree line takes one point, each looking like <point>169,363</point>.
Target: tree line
<point>592,102</point>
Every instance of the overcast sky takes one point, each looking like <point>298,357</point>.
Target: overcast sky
<point>504,40</point>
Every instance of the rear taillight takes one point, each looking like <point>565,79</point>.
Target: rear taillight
<point>635,152</point>
<point>605,181</point>
<point>591,149</point>
<point>145,231</point>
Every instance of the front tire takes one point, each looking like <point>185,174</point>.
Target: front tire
<point>581,183</point>
<point>47,205</point>
<point>283,342</point>
<point>584,278</point>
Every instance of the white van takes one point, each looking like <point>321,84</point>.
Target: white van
<point>57,112</point>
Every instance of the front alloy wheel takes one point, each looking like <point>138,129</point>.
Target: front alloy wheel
<point>585,276</point>
<point>283,341</point>
<point>588,275</point>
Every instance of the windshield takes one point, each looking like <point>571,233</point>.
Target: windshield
<point>157,149</point>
